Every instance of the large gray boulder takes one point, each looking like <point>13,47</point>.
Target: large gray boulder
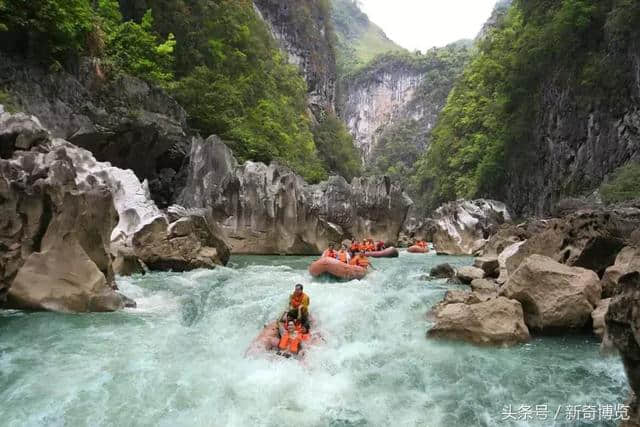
<point>54,233</point>
<point>554,296</point>
<point>498,321</point>
<point>269,209</point>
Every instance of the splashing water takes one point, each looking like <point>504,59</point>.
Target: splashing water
<point>177,360</point>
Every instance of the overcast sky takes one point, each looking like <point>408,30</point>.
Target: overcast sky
<point>422,24</point>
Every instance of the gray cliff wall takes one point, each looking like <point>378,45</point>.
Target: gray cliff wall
<point>269,209</point>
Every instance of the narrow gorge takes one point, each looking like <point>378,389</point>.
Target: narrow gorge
<point>176,174</point>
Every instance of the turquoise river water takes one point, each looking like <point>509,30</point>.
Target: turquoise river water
<point>178,359</point>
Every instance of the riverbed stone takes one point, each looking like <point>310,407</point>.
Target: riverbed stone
<point>489,265</point>
<point>496,322</point>
<point>442,271</point>
<point>554,296</point>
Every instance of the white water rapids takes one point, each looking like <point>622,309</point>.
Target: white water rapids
<point>177,359</point>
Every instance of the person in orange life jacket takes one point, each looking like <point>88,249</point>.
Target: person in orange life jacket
<point>331,253</point>
<point>355,246</point>
<point>343,255</point>
<point>421,244</point>
<point>299,306</point>
<point>360,260</point>
<point>290,340</point>
<point>380,246</point>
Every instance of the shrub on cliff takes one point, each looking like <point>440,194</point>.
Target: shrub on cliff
<point>335,145</point>
<point>623,185</point>
<point>486,124</point>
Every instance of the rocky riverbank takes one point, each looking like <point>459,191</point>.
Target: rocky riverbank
<point>572,274</point>
<point>69,223</point>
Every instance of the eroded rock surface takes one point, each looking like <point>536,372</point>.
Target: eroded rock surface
<point>554,296</point>
<point>54,231</point>
<point>498,321</point>
<point>270,209</point>
<point>589,239</point>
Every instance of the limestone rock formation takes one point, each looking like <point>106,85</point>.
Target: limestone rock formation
<point>458,228</point>
<point>498,321</point>
<point>554,296</point>
<point>623,326</point>
<point>589,239</point>
<point>120,119</point>
<point>54,231</point>
<point>269,209</point>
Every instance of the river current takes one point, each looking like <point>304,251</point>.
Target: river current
<point>178,359</point>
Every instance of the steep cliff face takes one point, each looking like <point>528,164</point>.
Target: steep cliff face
<point>269,209</point>
<point>304,33</point>
<point>578,138</point>
<point>399,88</point>
<point>121,120</point>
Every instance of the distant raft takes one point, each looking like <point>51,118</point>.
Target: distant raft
<point>415,249</point>
<point>389,252</point>
<point>335,268</point>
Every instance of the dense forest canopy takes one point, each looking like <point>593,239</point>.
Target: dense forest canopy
<point>488,116</point>
<point>217,58</point>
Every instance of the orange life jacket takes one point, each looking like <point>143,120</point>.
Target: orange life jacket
<point>421,244</point>
<point>354,247</point>
<point>343,256</point>
<point>290,343</point>
<point>329,253</point>
<point>360,261</point>
<point>297,300</point>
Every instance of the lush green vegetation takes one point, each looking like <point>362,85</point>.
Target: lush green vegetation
<point>216,57</point>
<point>487,119</point>
<point>335,144</point>
<point>358,40</point>
<point>623,185</point>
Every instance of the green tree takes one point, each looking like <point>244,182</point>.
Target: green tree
<point>335,145</point>
<point>624,184</point>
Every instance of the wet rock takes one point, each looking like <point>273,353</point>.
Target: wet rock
<point>468,274</point>
<point>269,209</point>
<point>496,322</point>
<point>623,327</point>
<point>628,260</point>
<point>442,271</point>
<point>588,239</point>
<point>159,250</point>
<point>20,132</point>
<point>127,265</point>
<point>489,265</point>
<point>554,296</point>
